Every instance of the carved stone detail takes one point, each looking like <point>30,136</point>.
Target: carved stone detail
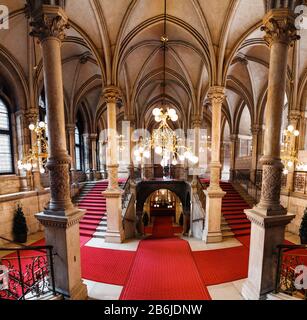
<point>112,94</point>
<point>113,177</point>
<point>216,94</point>
<point>59,181</point>
<point>49,22</point>
<point>279,26</point>
<point>31,116</point>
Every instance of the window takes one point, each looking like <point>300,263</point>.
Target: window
<point>6,155</point>
<point>78,149</point>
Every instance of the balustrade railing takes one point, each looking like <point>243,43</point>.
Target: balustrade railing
<point>26,272</point>
<point>291,270</point>
<point>253,188</point>
<point>126,193</point>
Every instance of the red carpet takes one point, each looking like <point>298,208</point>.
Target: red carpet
<point>222,265</point>
<point>164,269</point>
<point>95,205</point>
<point>106,265</point>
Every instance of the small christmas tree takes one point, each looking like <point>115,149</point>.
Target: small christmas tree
<point>303,228</point>
<point>145,219</point>
<point>20,228</point>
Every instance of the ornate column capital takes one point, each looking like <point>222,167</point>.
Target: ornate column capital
<point>294,116</point>
<point>233,137</point>
<point>112,94</point>
<point>279,26</point>
<point>216,94</point>
<point>256,129</point>
<point>31,116</point>
<point>70,127</point>
<point>48,22</point>
<point>196,121</point>
<point>93,136</point>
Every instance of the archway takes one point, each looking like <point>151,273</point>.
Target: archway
<point>163,204</point>
<point>181,189</point>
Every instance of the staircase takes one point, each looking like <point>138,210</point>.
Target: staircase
<point>233,206</point>
<point>94,222</point>
<point>234,220</point>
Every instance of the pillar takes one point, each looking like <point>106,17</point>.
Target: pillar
<point>214,193</point>
<point>113,194</point>
<point>268,218</point>
<point>294,120</point>
<point>60,218</point>
<point>256,130</point>
<point>233,155</point>
<point>93,153</point>
<point>71,144</point>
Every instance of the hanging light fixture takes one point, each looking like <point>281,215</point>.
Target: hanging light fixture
<point>38,154</point>
<point>288,152</point>
<point>164,140</point>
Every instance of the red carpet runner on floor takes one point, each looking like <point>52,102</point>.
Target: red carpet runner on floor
<point>164,269</point>
<point>106,265</point>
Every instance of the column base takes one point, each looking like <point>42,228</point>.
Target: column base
<point>266,233</point>
<point>115,231</point>
<point>62,232</point>
<point>212,237</point>
<point>212,232</point>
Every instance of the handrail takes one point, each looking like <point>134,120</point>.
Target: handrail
<point>36,277</point>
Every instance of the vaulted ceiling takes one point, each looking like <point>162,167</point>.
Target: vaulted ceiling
<point>118,42</point>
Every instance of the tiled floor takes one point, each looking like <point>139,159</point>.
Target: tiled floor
<point>227,291</point>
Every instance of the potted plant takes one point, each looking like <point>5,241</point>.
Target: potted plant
<point>303,228</point>
<point>20,228</point>
<point>145,219</point>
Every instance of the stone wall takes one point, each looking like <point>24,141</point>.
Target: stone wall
<point>9,184</point>
<point>32,203</point>
<point>295,205</point>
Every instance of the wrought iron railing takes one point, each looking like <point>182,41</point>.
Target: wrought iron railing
<point>125,195</point>
<point>253,188</point>
<point>27,273</point>
<point>291,270</point>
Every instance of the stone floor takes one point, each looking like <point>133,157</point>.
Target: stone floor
<point>102,291</point>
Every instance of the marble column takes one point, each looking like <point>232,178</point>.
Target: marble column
<point>71,147</point>
<point>256,130</point>
<point>294,120</point>
<point>60,218</point>
<point>113,194</point>
<point>214,193</point>
<point>233,155</point>
<point>268,217</point>
<point>93,148</point>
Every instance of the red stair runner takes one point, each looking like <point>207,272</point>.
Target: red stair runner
<point>95,205</point>
<point>164,269</point>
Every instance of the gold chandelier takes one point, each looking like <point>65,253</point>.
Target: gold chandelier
<point>165,142</point>
<point>38,154</point>
<point>288,151</point>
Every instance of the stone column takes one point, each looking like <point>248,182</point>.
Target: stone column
<point>60,218</point>
<point>294,120</point>
<point>214,193</point>
<point>233,155</point>
<point>196,124</point>
<point>32,117</point>
<point>256,130</point>
<point>268,217</point>
<point>71,144</point>
<point>93,148</point>
<point>113,194</point>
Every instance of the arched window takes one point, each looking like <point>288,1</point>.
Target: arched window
<point>6,154</point>
<point>78,149</point>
